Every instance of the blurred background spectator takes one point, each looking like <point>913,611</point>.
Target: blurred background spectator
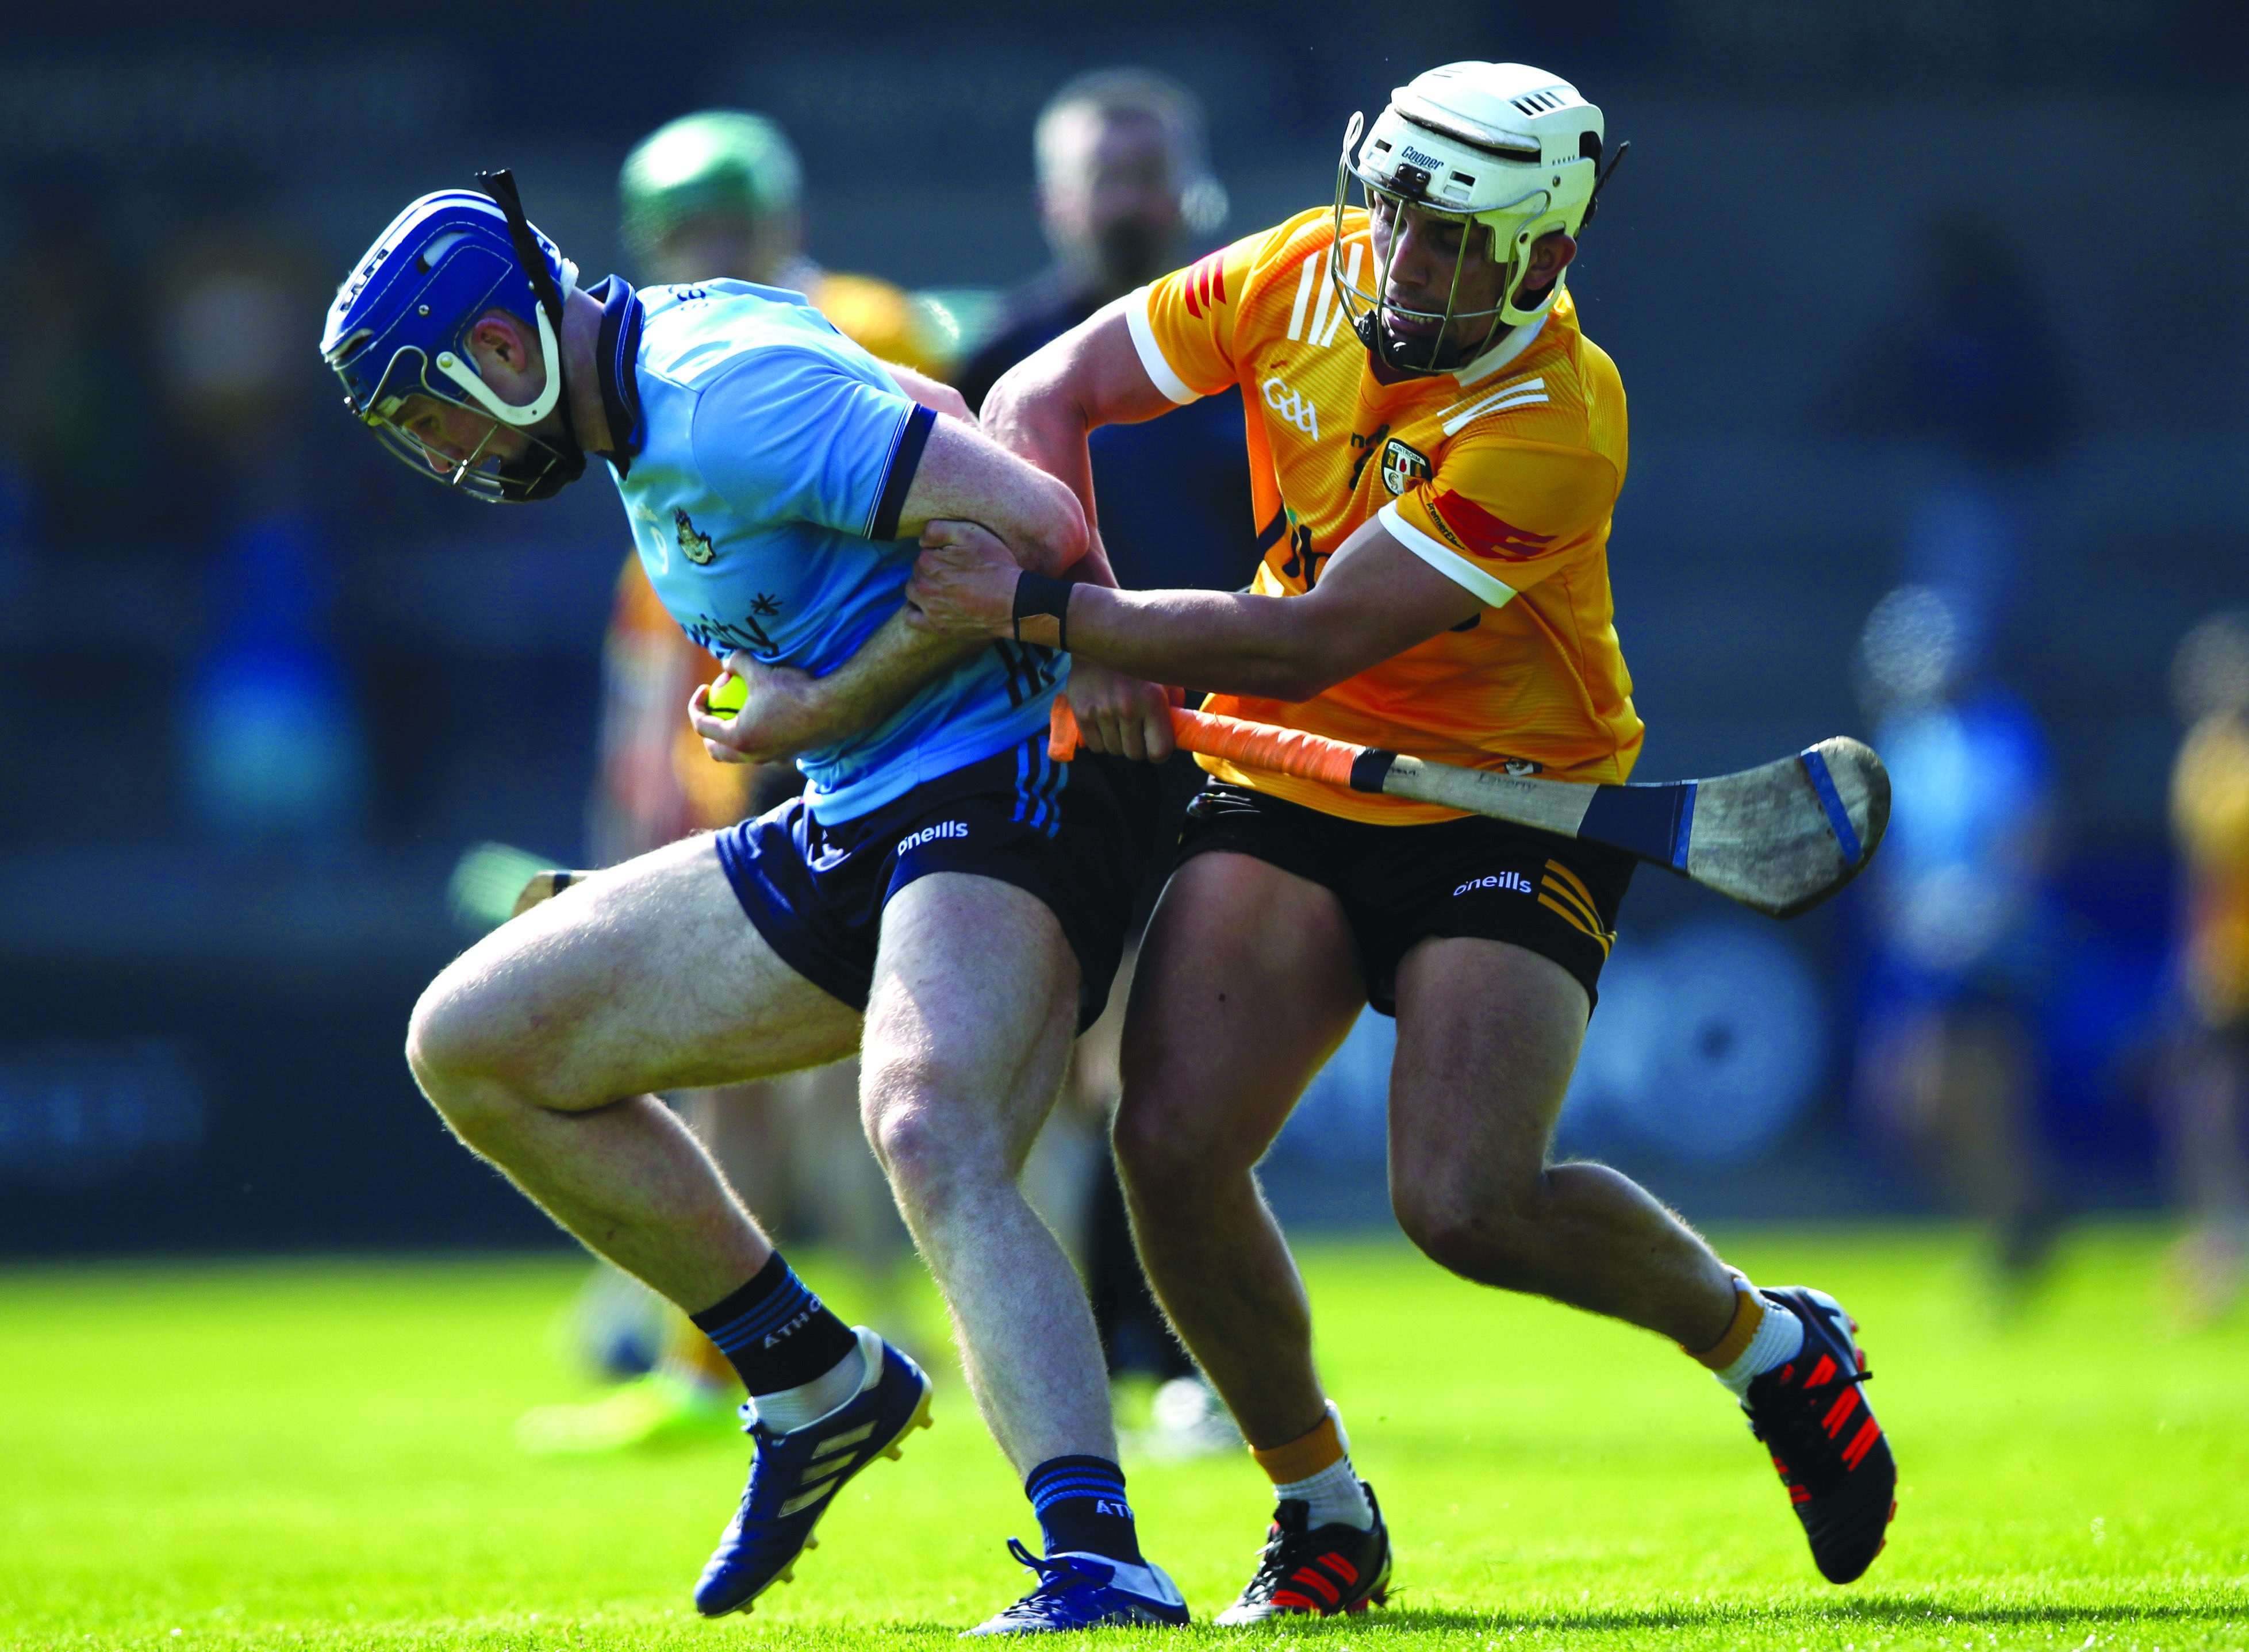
<point>1949,1057</point>
<point>2206,1093</point>
<point>252,728</point>
<point>1124,195</point>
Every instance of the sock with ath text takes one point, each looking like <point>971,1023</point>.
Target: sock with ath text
<point>1080,1502</point>
<point>798,1360</point>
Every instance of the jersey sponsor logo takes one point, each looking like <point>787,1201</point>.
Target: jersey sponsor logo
<point>913,841</point>
<point>1205,287</point>
<point>1514,883</point>
<point>1315,293</point>
<point>694,546</point>
<point>1479,533</point>
<point>1403,466</point>
<point>1294,407</point>
<point>1364,447</point>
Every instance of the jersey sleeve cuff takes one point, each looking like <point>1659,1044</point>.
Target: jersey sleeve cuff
<point>898,476</point>
<point>1443,557</point>
<point>1151,353</point>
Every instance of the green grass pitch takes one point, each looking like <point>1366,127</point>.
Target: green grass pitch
<point>318,1455</point>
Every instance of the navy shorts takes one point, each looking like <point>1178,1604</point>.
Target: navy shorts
<point>1400,885</point>
<point>1078,835</point>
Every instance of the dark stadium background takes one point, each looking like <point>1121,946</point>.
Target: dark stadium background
<point>199,1033</point>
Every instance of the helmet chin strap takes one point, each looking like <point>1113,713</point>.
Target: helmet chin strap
<point>568,462</point>
<point>477,391</point>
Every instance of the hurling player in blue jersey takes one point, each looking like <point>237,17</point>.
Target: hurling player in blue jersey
<point>944,898</point>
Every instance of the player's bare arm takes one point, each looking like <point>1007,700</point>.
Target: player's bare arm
<point>933,394</point>
<point>1045,406</point>
<point>787,712</point>
<point>966,481</point>
<point>963,474</point>
<point>1375,600</point>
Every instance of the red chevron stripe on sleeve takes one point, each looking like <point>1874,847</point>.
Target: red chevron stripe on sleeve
<point>1477,531</point>
<point>1205,285</point>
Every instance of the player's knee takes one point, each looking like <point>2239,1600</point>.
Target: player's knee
<point>1480,1234</point>
<point>1158,1159</point>
<point>434,1041</point>
<point>925,1151</point>
<point>455,1056</point>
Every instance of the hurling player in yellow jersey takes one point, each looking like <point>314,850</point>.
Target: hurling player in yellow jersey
<point>1436,449</point>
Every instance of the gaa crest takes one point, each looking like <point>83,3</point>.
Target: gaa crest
<point>1403,467</point>
<point>696,547</point>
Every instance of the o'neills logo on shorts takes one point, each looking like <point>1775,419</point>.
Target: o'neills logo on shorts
<point>1514,881</point>
<point>930,833</point>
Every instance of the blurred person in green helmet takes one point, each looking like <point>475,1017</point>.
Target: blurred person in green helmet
<point>719,193</point>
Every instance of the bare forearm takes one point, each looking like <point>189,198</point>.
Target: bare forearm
<point>937,396</point>
<point>1033,413</point>
<point>1211,639</point>
<point>799,713</point>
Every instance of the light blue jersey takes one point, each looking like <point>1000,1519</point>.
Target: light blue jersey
<point>770,460</point>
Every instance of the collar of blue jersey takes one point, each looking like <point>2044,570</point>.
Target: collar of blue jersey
<point>615,351</point>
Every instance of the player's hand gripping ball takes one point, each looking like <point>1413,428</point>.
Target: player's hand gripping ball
<point>728,695</point>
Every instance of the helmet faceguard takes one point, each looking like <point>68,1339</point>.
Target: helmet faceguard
<point>401,323</point>
<point>1499,144</point>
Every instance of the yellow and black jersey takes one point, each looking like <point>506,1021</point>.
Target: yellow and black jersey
<point>1501,476</point>
<point>2209,813</point>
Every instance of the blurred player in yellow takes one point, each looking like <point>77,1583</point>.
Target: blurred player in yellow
<point>711,194</point>
<point>1436,449</point>
<point>2209,1099</point>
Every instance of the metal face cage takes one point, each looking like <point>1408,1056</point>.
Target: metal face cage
<point>1365,309</point>
<point>535,475</point>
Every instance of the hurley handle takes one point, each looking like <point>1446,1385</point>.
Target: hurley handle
<point>1280,751</point>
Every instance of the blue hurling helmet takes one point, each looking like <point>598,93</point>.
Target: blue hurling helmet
<point>400,321</point>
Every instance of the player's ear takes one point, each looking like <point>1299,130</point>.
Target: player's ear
<point>1550,255</point>
<point>499,340</point>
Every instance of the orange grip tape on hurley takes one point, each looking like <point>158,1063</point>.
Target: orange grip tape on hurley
<point>1277,751</point>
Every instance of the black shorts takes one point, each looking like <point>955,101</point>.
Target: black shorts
<point>1078,835</point>
<point>1401,885</point>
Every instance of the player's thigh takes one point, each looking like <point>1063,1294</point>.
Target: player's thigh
<point>1487,1034</point>
<point>1247,979</point>
<point>969,1022</point>
<point>648,977</point>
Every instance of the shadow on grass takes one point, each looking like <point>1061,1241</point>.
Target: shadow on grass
<point>1406,1619</point>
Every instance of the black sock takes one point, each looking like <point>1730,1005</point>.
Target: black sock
<point>775,1332</point>
<point>1082,1509</point>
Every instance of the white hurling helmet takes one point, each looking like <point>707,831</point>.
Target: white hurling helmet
<point>1499,144</point>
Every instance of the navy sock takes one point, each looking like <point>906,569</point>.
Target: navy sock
<point>1082,1509</point>
<point>775,1332</point>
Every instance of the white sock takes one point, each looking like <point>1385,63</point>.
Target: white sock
<point>1336,1496</point>
<point>791,1408</point>
<point>1779,1338</point>
<point>1335,1493</point>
